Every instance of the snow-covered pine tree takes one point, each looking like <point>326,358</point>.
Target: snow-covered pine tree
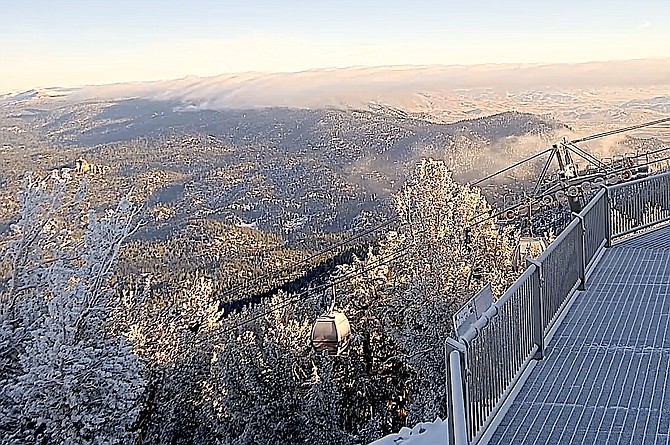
<point>68,381</point>
<point>372,379</point>
<point>402,310</point>
<point>174,332</point>
<point>445,245</point>
<point>267,385</point>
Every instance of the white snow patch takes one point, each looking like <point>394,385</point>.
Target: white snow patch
<point>425,433</point>
<point>295,223</point>
<point>251,225</point>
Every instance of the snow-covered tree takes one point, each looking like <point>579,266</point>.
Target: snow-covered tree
<point>68,380</point>
<point>174,333</point>
<point>440,255</point>
<point>266,385</point>
<point>452,250</point>
<point>269,387</point>
<point>80,363</point>
<point>374,376</point>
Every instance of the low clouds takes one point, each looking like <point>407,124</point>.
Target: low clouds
<point>398,86</point>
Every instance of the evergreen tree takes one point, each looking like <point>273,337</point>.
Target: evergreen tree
<point>267,386</point>
<point>174,333</point>
<point>404,308</point>
<point>69,381</point>
<point>452,250</point>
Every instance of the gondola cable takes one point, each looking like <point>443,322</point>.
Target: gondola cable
<point>397,218</point>
<point>620,130</point>
<point>383,261</point>
<point>305,261</point>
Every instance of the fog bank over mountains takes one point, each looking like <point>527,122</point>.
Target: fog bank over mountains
<point>401,86</point>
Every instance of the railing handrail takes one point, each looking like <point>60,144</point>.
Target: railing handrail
<point>587,208</point>
<point>628,213</point>
<point>559,239</point>
<point>492,311</point>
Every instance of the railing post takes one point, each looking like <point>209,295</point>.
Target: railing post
<point>608,217</point>
<point>536,304</point>
<point>582,252</point>
<point>454,353</point>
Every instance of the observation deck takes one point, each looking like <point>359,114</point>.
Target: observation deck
<point>578,349</point>
<point>604,375</point>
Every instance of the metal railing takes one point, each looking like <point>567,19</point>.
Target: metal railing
<point>500,345</point>
<point>484,365</point>
<point>561,271</point>
<point>595,222</point>
<point>639,204</point>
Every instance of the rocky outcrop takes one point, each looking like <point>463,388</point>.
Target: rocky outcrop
<point>82,166</point>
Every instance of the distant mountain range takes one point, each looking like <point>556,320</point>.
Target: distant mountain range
<point>289,171</point>
<point>586,96</point>
<point>405,87</point>
<point>312,152</point>
<point>660,104</point>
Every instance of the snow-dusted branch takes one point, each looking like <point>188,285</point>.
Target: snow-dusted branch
<point>71,382</point>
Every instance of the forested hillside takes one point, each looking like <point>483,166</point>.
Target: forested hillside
<point>134,363</point>
<point>162,267</point>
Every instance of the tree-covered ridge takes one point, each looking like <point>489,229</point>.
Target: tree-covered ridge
<point>290,171</point>
<point>217,354</point>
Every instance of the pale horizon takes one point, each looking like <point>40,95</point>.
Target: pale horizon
<point>368,69</point>
<point>47,44</point>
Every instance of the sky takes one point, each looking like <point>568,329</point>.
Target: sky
<point>66,43</point>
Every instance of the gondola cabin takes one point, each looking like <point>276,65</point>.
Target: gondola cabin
<point>528,247</point>
<point>330,333</point>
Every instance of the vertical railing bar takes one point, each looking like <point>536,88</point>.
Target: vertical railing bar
<point>508,353</point>
<point>580,235</point>
<point>538,327</point>
<point>504,356</point>
<point>494,358</point>
<point>456,419</point>
<point>529,306</point>
<point>488,386</point>
<point>458,413</point>
<point>521,328</point>
<point>608,216</point>
<point>450,396</point>
<point>499,355</point>
<point>528,298</point>
<point>473,378</point>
